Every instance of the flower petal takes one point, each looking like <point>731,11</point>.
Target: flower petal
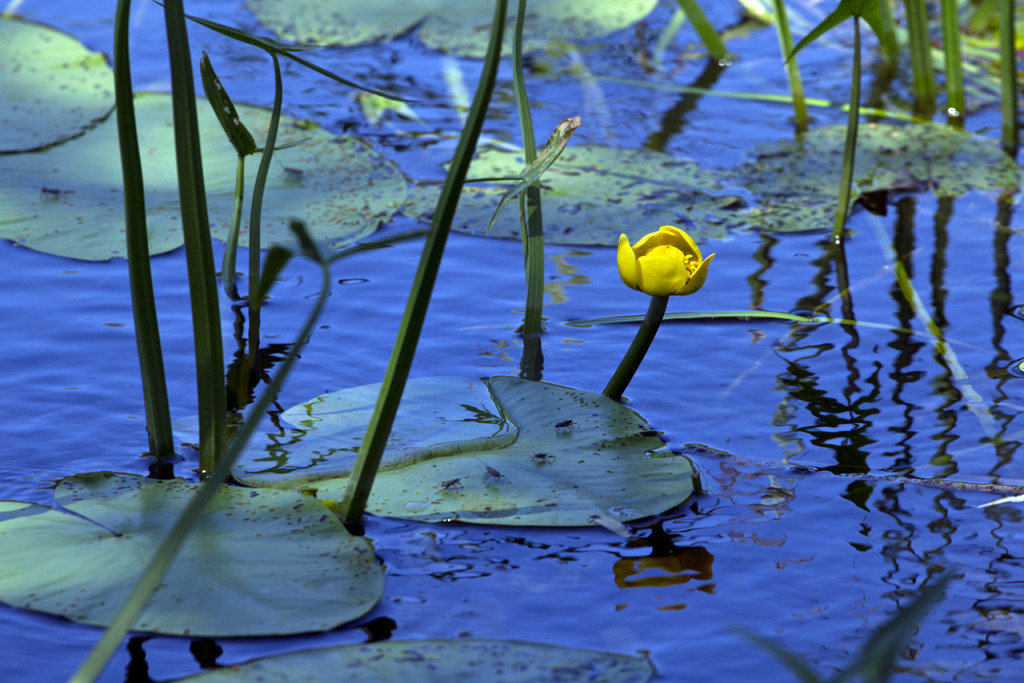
<point>662,271</point>
<point>696,280</point>
<point>626,258</point>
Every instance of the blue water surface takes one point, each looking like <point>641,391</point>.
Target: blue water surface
<point>805,534</point>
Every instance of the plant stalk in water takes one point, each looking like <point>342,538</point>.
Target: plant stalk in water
<point>372,448</point>
<point>147,332</point>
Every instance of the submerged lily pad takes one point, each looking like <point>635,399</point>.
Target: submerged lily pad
<point>67,200</point>
<point>497,451</point>
<point>497,661</point>
<point>257,563</point>
<point>51,86</point>
<point>456,26</point>
<point>797,181</point>
<point>592,193</point>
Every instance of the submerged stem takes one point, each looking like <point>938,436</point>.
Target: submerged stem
<point>638,349</point>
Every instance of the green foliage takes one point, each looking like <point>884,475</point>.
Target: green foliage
<point>606,461</point>
<point>80,558</point>
<point>868,10</point>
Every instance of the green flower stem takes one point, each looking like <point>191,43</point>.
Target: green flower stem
<point>372,448</point>
<point>227,270</point>
<point>147,332</point>
<point>531,220</point>
<point>638,349</point>
<point>850,149</point>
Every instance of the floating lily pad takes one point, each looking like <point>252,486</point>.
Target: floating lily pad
<point>497,451</point>
<point>257,563</point>
<point>67,200</point>
<point>592,194</point>
<point>797,181</point>
<point>456,26</point>
<point>51,86</point>
<point>497,661</point>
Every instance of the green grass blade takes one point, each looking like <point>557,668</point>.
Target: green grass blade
<point>256,212</point>
<point>920,58</point>
<point>147,332</point>
<point>155,569</point>
<point>225,111</point>
<point>372,447</point>
<point>195,224</point>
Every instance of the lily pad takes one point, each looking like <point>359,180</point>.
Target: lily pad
<point>47,77</point>
<point>456,26</point>
<point>496,451</point>
<point>797,181</point>
<point>257,563</point>
<point>67,199</point>
<point>593,193</point>
<point>498,661</point>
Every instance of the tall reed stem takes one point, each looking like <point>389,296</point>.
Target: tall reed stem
<point>704,29</point>
<point>921,58</point>
<point>796,86</point>
<point>955,102</point>
<point>202,275</point>
<point>1008,77</point>
<point>850,148</point>
<point>372,448</point>
<point>147,332</point>
<point>532,223</point>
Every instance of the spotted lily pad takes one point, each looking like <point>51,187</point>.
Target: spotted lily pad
<point>497,661</point>
<point>797,180</point>
<point>67,200</point>
<point>257,563</point>
<point>592,193</point>
<point>51,86</point>
<point>456,26</point>
<point>496,451</point>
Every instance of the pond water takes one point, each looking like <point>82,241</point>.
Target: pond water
<point>804,533</point>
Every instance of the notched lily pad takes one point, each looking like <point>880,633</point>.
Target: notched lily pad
<point>456,26</point>
<point>497,451</point>
<point>498,661</point>
<point>797,181</point>
<point>258,562</point>
<point>51,86</point>
<point>67,200</point>
<point>592,193</point>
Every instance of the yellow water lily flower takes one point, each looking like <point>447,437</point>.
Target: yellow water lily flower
<point>663,263</point>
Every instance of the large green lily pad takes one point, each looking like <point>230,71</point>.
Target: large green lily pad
<point>51,86</point>
<point>797,180</point>
<point>67,200</point>
<point>456,26</point>
<point>497,661</point>
<point>257,563</point>
<point>593,193</point>
<point>487,451</point>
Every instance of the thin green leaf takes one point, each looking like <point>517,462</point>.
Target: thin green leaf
<point>838,16</point>
<point>274,47</point>
<point>789,658</point>
<point>306,242</point>
<point>240,137</point>
<point>534,170</point>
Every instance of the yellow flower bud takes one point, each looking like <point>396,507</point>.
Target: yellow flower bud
<point>663,263</point>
